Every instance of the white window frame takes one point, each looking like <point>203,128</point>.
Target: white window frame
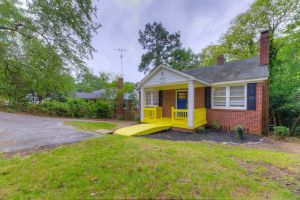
<point>151,98</point>
<point>228,98</point>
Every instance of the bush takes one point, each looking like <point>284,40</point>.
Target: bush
<point>281,132</point>
<point>240,132</point>
<point>215,125</point>
<point>102,110</point>
<point>81,108</point>
<point>200,129</point>
<point>73,108</point>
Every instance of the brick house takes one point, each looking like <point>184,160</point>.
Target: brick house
<point>231,94</point>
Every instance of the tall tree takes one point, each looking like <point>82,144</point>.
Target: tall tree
<point>41,41</point>
<point>240,40</point>
<point>159,44</point>
<point>183,59</point>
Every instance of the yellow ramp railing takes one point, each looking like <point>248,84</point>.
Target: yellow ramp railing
<point>152,114</point>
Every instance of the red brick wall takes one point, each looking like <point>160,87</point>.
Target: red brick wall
<point>169,100</point>
<point>265,107</point>
<point>255,121</point>
<point>199,98</point>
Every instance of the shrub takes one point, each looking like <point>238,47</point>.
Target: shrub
<point>215,125</point>
<point>81,108</point>
<point>240,132</point>
<point>200,129</point>
<point>281,131</point>
<point>102,110</point>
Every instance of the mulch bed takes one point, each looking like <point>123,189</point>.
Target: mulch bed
<point>211,135</point>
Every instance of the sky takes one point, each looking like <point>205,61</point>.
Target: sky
<point>200,22</point>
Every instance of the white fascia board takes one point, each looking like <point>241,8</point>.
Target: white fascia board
<point>240,81</point>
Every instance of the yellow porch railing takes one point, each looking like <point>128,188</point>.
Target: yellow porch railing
<point>152,113</point>
<point>179,117</point>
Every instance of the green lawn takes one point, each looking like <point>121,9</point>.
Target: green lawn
<point>91,126</point>
<point>135,167</point>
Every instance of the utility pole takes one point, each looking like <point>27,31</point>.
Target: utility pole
<point>121,56</point>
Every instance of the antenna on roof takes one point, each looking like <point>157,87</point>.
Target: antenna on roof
<point>121,56</point>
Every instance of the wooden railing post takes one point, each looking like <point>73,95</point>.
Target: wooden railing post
<point>172,113</point>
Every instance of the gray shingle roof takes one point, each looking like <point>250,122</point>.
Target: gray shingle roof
<point>231,71</point>
<point>101,94</point>
<point>98,94</point>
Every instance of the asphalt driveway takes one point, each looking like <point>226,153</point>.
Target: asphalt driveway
<point>22,132</point>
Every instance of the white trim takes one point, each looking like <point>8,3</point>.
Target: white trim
<point>142,103</point>
<point>228,107</point>
<point>191,104</point>
<point>171,69</point>
<point>181,90</point>
<point>239,81</point>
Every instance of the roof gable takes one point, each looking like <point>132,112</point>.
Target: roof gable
<point>165,75</point>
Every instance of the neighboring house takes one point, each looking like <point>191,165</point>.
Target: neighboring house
<point>231,94</point>
<point>110,94</point>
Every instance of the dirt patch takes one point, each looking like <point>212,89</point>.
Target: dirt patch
<point>290,144</point>
<point>285,177</point>
<point>27,152</point>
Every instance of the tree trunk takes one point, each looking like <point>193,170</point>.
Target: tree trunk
<point>294,125</point>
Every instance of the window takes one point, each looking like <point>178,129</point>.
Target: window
<point>229,97</point>
<point>219,95</point>
<point>125,104</point>
<point>152,98</point>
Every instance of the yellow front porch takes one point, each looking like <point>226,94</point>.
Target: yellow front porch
<point>179,117</point>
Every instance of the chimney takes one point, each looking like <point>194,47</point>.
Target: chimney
<point>264,50</point>
<point>120,83</point>
<point>220,60</point>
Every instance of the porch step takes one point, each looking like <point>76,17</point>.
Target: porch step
<point>141,129</point>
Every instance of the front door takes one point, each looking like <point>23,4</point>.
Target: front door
<point>182,100</point>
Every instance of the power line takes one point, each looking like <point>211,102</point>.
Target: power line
<point>121,56</point>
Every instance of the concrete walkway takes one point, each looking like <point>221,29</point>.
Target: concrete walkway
<point>21,132</point>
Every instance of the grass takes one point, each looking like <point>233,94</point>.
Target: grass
<point>91,126</point>
<point>135,167</point>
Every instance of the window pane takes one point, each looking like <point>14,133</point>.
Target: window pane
<point>219,97</point>
<point>237,96</point>
<point>148,102</point>
<point>220,91</point>
<point>237,90</point>
<point>155,94</point>
<point>148,95</point>
<point>155,102</point>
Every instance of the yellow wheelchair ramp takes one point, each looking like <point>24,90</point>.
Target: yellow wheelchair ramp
<point>141,129</point>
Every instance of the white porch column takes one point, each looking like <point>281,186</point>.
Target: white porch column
<point>142,103</point>
<point>191,94</point>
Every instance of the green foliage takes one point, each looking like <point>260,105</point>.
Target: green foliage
<point>41,43</point>
<point>183,59</point>
<point>240,132</point>
<point>103,110</point>
<point>88,82</point>
<point>215,125</point>
<point>77,108</point>
<point>158,43</point>
<point>281,132</point>
<point>200,129</point>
